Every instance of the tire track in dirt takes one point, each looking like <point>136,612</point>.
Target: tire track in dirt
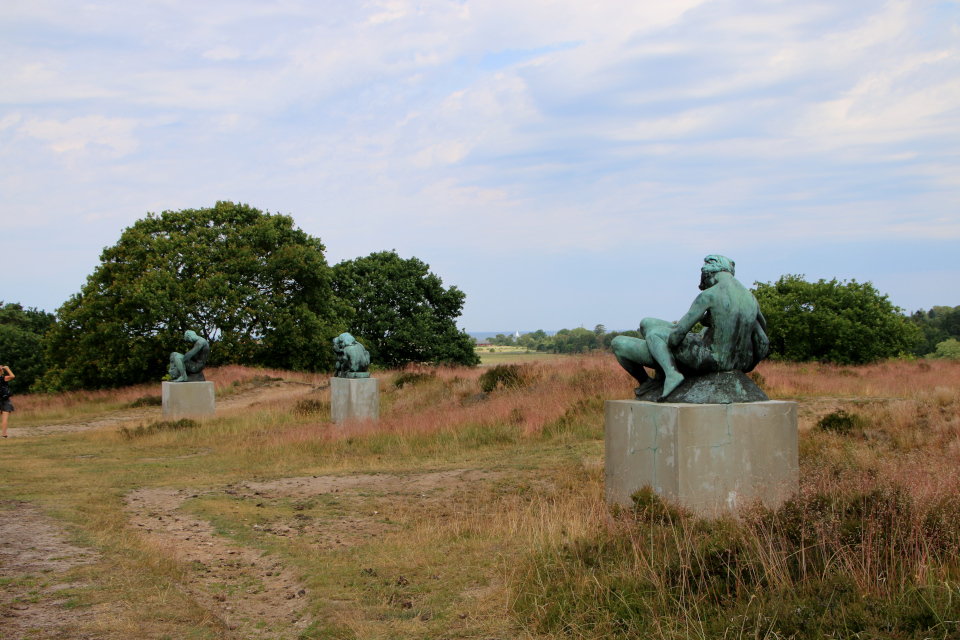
<point>35,559</point>
<point>249,592</point>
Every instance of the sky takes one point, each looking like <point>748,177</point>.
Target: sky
<point>564,163</point>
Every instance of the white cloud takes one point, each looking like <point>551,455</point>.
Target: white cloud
<point>572,124</point>
<point>75,134</point>
<point>222,52</point>
<point>9,120</point>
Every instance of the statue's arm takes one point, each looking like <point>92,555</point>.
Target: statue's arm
<point>699,308</point>
<point>197,346</point>
<point>761,321</point>
<point>761,343</point>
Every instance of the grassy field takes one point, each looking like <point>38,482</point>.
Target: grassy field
<point>470,515</point>
<point>504,355</point>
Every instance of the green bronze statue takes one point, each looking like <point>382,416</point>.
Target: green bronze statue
<point>352,357</point>
<point>188,367</point>
<point>734,339</point>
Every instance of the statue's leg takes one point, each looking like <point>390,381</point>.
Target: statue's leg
<point>177,367</point>
<point>649,326</point>
<point>657,344</point>
<point>633,355</point>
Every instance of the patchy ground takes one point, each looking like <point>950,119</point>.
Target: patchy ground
<point>36,600</point>
<point>244,589</point>
<point>248,592</point>
<point>248,395</point>
<point>253,593</point>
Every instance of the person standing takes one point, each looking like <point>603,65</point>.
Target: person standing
<point>5,405</point>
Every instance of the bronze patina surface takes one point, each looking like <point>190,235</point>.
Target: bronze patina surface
<point>734,339</point>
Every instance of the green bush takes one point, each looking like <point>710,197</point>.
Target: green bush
<point>841,422</point>
<point>157,426</point>
<point>948,350</point>
<point>311,406</point>
<point>147,401</point>
<point>505,375</point>
<point>412,378</point>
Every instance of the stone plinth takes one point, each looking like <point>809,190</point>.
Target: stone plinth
<point>354,399</point>
<point>187,400</point>
<point>710,458</point>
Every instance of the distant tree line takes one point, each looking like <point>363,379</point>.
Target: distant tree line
<point>940,331</point>
<point>579,340</point>
<point>258,288</point>
<point>826,321</point>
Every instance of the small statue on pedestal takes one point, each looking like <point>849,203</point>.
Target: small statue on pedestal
<point>352,357</point>
<point>188,367</point>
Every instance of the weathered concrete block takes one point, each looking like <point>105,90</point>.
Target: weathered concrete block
<point>710,458</point>
<point>354,399</point>
<point>187,400</point>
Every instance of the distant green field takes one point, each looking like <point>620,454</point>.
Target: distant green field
<point>513,354</point>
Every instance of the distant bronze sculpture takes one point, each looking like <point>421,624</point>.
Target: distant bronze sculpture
<point>352,357</point>
<point>188,367</point>
<point>734,339</point>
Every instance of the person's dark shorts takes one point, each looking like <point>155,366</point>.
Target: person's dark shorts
<point>6,406</point>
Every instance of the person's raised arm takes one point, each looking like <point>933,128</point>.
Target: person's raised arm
<point>699,308</point>
<point>9,375</point>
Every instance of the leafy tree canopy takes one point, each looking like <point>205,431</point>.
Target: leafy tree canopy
<point>401,311</point>
<point>250,282</point>
<point>938,325</point>
<point>839,322</point>
<point>948,349</point>
<point>21,343</point>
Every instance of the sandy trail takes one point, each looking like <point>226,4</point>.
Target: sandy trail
<point>246,590</point>
<point>245,397</point>
<point>250,592</point>
<point>35,559</point>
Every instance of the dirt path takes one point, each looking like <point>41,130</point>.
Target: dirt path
<point>243,398</point>
<point>35,560</point>
<point>253,593</point>
<point>246,590</point>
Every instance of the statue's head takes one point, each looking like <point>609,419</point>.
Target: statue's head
<point>713,265</point>
<point>190,336</point>
<point>346,339</point>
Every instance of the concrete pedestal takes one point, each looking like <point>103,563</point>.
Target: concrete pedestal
<point>187,400</point>
<point>710,458</point>
<point>354,399</point>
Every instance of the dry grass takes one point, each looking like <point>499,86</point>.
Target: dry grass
<point>870,541</point>
<point>890,379</point>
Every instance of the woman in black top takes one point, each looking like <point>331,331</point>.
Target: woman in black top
<point>5,405</point>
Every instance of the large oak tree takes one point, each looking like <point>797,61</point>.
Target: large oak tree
<point>401,312</point>
<point>831,321</point>
<point>250,282</point>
